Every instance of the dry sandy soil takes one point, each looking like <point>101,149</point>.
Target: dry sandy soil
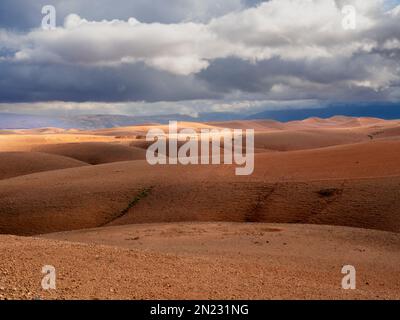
<point>324,194</point>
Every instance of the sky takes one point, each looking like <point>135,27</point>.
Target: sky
<point>142,57</point>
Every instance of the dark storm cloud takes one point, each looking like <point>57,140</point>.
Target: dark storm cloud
<point>32,83</point>
<point>137,82</point>
<point>302,79</point>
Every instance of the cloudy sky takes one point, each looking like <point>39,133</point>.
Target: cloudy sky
<point>190,56</point>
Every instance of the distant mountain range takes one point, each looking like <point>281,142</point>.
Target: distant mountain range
<point>25,121</point>
<point>386,111</point>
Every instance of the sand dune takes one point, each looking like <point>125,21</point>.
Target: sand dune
<point>270,135</point>
<point>13,164</point>
<point>352,191</point>
<point>143,129</point>
<point>310,123</point>
<point>367,203</point>
<point>50,130</point>
<point>359,160</point>
<point>390,132</point>
<point>95,152</point>
<point>289,140</point>
<point>333,122</point>
<point>257,125</point>
<point>315,133</point>
<point>7,132</point>
<point>26,142</point>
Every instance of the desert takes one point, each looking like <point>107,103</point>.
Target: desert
<point>324,194</point>
<point>200,152</point>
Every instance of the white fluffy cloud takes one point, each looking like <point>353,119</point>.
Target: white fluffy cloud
<point>288,29</point>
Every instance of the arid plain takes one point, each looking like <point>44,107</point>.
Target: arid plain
<point>324,194</point>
